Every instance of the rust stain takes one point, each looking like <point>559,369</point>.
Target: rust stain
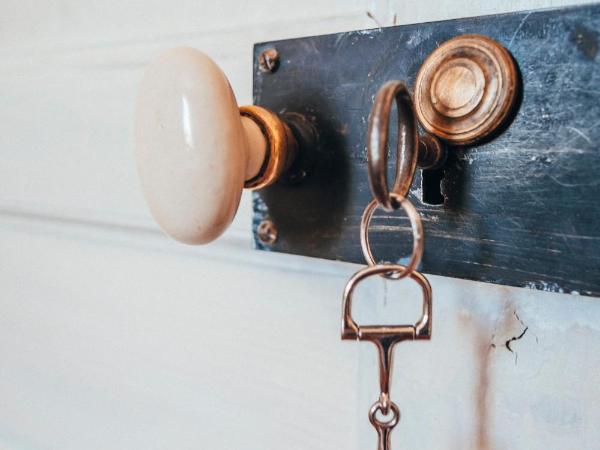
<point>484,350</point>
<point>502,329</point>
<point>371,16</point>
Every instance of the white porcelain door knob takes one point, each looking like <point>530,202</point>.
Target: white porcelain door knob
<point>196,149</point>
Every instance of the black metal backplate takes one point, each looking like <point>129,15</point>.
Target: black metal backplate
<point>522,209</point>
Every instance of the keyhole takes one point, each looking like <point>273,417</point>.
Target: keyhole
<point>431,186</point>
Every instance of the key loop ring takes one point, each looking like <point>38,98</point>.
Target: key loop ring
<point>417,229</point>
<point>389,424</point>
<point>377,142</point>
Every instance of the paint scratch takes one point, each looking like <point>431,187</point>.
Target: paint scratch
<point>518,29</point>
<point>516,338</point>
<point>581,133</point>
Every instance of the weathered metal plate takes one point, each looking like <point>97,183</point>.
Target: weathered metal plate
<point>521,210</point>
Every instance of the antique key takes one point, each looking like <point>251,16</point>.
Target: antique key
<point>385,337</point>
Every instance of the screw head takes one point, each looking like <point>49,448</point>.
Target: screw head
<point>268,61</point>
<point>267,232</point>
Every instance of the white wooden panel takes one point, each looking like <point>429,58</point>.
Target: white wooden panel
<point>113,337</point>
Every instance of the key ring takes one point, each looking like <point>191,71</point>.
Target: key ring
<point>417,229</point>
<point>377,143</point>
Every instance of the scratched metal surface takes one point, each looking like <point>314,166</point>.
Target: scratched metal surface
<point>521,210</point>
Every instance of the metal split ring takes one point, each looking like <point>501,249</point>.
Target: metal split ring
<point>377,144</point>
<point>417,229</point>
<point>391,423</point>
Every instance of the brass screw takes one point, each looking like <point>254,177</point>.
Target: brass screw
<point>268,61</point>
<point>267,232</point>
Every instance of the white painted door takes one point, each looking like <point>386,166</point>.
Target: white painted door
<point>114,337</point>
